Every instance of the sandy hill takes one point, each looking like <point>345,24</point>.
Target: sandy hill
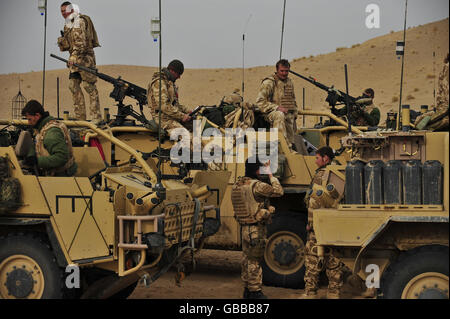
<point>370,64</point>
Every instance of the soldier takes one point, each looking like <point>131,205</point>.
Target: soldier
<point>53,152</point>
<point>313,263</point>
<point>249,197</point>
<point>80,38</point>
<point>276,99</point>
<point>172,112</point>
<point>438,120</point>
<point>365,113</point>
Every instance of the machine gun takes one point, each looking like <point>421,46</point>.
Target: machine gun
<point>334,95</point>
<point>121,89</point>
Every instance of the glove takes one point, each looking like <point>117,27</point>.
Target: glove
<point>31,160</point>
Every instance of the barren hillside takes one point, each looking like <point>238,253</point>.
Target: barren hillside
<point>370,64</point>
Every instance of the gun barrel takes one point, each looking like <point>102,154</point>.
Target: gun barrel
<point>81,67</point>
<point>312,81</point>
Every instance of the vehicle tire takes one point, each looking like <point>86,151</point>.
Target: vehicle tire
<point>28,268</point>
<point>421,273</point>
<point>284,256</point>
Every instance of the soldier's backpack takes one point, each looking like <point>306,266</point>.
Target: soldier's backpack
<point>91,30</point>
<point>4,168</point>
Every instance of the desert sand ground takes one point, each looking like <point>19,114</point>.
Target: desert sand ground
<point>370,64</point>
<point>217,276</point>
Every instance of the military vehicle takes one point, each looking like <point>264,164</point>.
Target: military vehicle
<point>392,227</point>
<point>284,256</point>
<point>111,224</point>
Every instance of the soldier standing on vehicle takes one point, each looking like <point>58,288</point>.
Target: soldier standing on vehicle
<point>364,113</point>
<point>53,153</point>
<point>173,114</point>
<point>80,38</point>
<point>313,263</point>
<point>438,120</point>
<point>276,99</point>
<point>250,199</point>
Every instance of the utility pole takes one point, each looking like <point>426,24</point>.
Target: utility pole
<point>401,76</point>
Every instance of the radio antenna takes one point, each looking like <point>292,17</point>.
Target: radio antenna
<point>243,56</point>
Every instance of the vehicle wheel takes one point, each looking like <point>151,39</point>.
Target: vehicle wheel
<point>28,269</point>
<point>284,256</point>
<point>421,273</point>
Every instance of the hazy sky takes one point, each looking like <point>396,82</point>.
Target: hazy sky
<point>204,33</point>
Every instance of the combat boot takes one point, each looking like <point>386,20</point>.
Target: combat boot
<point>256,295</point>
<point>333,294</point>
<point>370,293</point>
<point>310,294</point>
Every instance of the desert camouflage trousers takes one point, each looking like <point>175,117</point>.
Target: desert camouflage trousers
<point>315,265</point>
<point>78,99</point>
<point>285,124</point>
<point>168,123</point>
<point>253,245</point>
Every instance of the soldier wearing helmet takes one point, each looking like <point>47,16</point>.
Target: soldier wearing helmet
<point>314,264</point>
<point>173,114</point>
<point>364,113</point>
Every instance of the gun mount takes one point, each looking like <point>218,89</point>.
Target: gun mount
<point>122,88</point>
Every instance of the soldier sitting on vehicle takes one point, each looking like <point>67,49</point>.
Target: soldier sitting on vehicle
<point>52,154</point>
<point>276,99</point>
<point>242,114</point>
<point>173,114</point>
<point>364,112</point>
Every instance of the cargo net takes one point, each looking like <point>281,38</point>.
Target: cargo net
<point>394,182</point>
<point>17,104</point>
<point>179,220</point>
<point>10,189</point>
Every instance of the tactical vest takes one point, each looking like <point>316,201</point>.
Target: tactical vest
<point>245,205</point>
<point>91,34</point>
<point>317,180</point>
<point>172,92</point>
<point>41,151</point>
<point>283,93</point>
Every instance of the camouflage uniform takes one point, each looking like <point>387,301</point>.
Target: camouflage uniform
<point>53,148</point>
<point>253,226</point>
<point>365,113</point>
<point>80,39</point>
<point>442,103</point>
<point>242,109</point>
<point>172,112</point>
<point>313,263</point>
<point>272,94</point>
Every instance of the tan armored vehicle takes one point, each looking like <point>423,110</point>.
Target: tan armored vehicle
<point>392,227</point>
<point>284,258</point>
<point>111,225</point>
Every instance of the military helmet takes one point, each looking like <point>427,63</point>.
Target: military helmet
<point>233,98</point>
<point>177,66</point>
